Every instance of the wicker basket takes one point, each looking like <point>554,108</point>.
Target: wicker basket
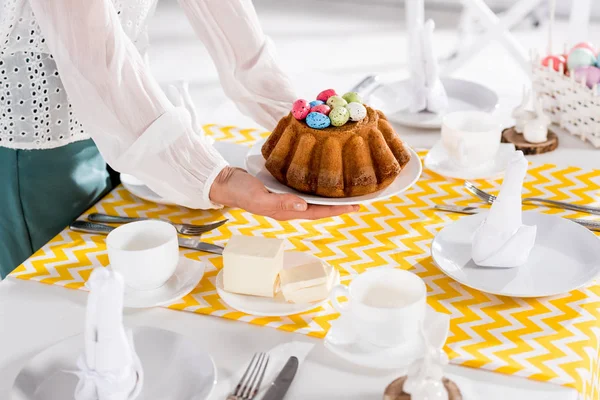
<point>569,103</point>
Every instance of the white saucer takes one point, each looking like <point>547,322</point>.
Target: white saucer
<point>342,341</point>
<point>437,160</point>
<point>234,154</point>
<point>185,278</point>
<point>393,99</point>
<point>255,165</point>
<point>565,257</point>
<point>277,306</point>
<point>175,368</point>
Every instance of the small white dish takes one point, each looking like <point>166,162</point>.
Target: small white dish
<point>277,306</point>
<point>438,161</point>
<point>255,165</point>
<point>343,341</point>
<point>185,278</point>
<point>233,153</point>
<point>175,367</point>
<point>393,99</point>
<point>565,257</point>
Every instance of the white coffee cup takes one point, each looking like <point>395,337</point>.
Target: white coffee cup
<point>387,305</point>
<point>471,138</point>
<point>146,253</point>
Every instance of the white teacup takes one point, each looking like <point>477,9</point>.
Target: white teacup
<point>471,138</point>
<point>146,253</point>
<point>387,305</point>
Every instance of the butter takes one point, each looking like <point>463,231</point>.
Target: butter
<point>251,265</point>
<point>307,283</point>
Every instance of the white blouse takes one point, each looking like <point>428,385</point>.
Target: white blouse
<point>73,68</point>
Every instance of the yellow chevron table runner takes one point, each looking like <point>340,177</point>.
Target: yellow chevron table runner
<point>553,339</point>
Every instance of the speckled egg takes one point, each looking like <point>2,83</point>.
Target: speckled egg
<point>352,97</point>
<point>336,101</point>
<point>300,109</point>
<point>315,103</point>
<point>326,94</point>
<point>317,120</point>
<point>339,116</point>
<point>580,58</point>
<point>321,108</point>
<point>357,111</point>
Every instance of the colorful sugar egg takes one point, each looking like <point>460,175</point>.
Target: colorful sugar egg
<point>555,61</point>
<point>317,120</point>
<point>326,94</point>
<point>580,58</point>
<point>339,116</point>
<point>300,109</point>
<point>316,103</point>
<point>357,111</point>
<point>352,97</point>
<point>586,45</point>
<point>321,108</point>
<point>591,75</point>
<point>336,101</point>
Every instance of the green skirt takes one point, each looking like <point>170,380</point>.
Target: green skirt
<point>42,192</point>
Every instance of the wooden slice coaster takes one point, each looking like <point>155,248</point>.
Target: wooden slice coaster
<point>510,135</point>
<point>394,390</point>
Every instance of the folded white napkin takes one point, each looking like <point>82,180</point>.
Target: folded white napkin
<point>428,93</point>
<point>502,240</point>
<point>109,369</point>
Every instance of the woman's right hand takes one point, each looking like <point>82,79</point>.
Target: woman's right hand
<point>234,187</point>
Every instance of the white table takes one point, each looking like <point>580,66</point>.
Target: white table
<point>34,315</point>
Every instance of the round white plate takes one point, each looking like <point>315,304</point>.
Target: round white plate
<point>437,160</point>
<point>272,307</point>
<point>394,100</point>
<point>136,187</point>
<point>255,165</point>
<point>360,352</point>
<point>566,256</point>
<point>185,278</point>
<point>175,368</point>
<point>233,153</point>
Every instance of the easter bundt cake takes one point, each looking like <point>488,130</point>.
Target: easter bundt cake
<point>359,156</point>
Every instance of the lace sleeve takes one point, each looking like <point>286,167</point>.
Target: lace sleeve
<point>135,127</point>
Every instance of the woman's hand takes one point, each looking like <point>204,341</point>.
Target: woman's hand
<point>234,187</point>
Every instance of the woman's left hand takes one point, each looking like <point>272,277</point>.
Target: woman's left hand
<point>234,187</point>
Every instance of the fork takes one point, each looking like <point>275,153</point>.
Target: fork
<point>184,229</point>
<point>490,198</point>
<point>248,386</point>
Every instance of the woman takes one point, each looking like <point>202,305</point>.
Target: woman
<point>74,69</point>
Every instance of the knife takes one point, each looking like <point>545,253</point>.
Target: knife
<point>280,385</point>
<point>591,225</point>
<point>90,227</point>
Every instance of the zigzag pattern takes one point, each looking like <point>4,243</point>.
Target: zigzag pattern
<point>553,339</point>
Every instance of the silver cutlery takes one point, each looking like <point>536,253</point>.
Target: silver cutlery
<point>249,385</point>
<point>281,384</point>
<point>490,198</point>
<point>184,229</point>
<point>591,225</point>
<point>91,227</point>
